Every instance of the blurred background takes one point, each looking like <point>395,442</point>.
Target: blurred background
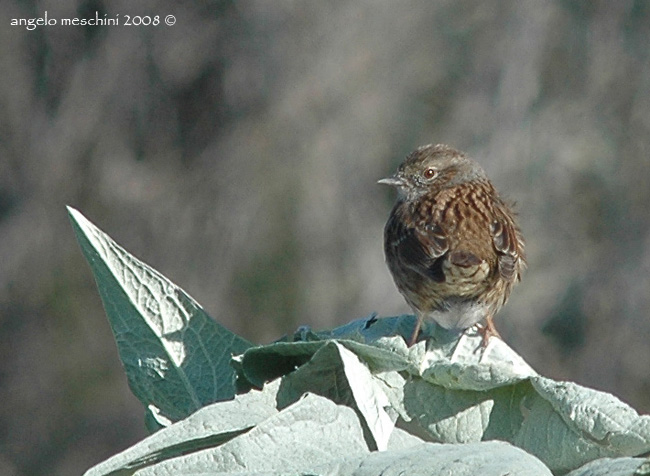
<point>237,152</point>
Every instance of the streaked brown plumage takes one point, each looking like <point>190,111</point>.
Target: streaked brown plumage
<point>451,243</point>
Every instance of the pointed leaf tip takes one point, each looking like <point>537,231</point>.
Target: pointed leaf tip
<point>176,357</point>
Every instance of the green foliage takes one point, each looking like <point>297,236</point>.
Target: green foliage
<point>354,400</point>
<point>176,357</point>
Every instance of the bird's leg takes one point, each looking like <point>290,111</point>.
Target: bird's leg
<point>488,330</point>
<point>416,330</point>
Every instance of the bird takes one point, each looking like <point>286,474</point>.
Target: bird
<point>452,244</point>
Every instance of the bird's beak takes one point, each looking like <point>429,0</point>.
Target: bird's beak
<point>394,181</point>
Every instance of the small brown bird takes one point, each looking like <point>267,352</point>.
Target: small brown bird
<point>451,243</point>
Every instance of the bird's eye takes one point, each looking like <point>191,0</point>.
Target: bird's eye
<point>429,173</point>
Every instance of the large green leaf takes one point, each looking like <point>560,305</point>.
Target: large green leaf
<point>609,467</point>
<point>370,329</point>
<point>451,389</point>
<point>644,469</point>
<point>462,416</point>
<point>310,436</point>
<point>311,432</point>
<point>462,362</point>
<point>338,374</point>
<point>176,357</point>
<point>494,458</point>
<point>335,396</point>
<point>264,363</point>
<point>567,425</point>
<point>209,427</point>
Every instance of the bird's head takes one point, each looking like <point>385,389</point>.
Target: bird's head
<point>430,168</point>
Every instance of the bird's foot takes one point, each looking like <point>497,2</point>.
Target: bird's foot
<point>416,332</point>
<point>486,331</point>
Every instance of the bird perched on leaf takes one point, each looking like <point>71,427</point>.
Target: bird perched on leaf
<point>452,244</point>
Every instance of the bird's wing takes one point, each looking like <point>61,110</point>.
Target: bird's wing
<point>421,248</point>
<point>509,245</point>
